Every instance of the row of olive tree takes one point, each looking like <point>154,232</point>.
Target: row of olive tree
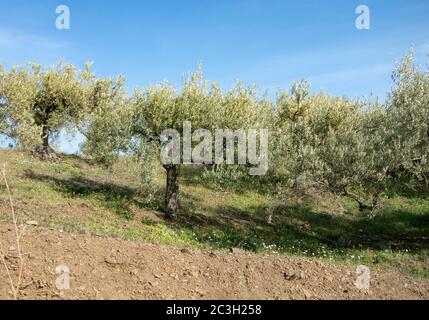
<point>352,148</point>
<point>357,148</point>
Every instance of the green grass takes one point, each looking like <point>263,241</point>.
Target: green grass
<point>82,197</point>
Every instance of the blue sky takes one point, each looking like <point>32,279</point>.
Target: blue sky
<point>264,42</point>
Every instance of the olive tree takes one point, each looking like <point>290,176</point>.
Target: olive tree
<point>292,155</point>
<point>354,155</point>
<point>198,102</point>
<point>17,95</point>
<point>408,109</point>
<point>334,144</point>
<point>40,102</point>
<point>106,125</point>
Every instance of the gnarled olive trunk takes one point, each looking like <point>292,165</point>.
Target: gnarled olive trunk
<point>172,191</point>
<point>45,138</point>
<point>44,151</point>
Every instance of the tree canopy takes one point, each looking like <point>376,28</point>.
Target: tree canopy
<point>37,102</point>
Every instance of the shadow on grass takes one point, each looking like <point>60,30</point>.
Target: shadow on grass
<point>293,228</point>
<point>302,228</point>
<point>396,229</point>
<point>116,197</point>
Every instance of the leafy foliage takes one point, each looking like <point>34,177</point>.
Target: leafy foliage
<point>356,148</point>
<point>408,107</point>
<point>37,103</point>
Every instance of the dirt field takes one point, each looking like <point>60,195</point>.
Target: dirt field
<point>107,268</point>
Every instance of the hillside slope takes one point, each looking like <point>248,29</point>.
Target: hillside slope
<point>118,245</point>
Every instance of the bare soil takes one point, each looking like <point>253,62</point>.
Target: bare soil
<point>109,268</point>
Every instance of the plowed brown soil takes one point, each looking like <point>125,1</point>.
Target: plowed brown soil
<point>107,268</point>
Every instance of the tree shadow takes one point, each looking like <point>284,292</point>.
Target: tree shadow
<point>396,230</point>
<point>228,226</point>
<point>113,196</point>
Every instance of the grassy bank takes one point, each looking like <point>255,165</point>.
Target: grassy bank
<point>78,196</point>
